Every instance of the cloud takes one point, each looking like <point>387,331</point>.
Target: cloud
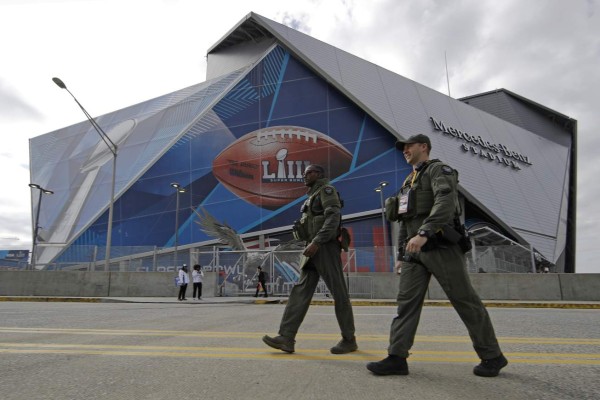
<point>13,107</point>
<point>297,22</point>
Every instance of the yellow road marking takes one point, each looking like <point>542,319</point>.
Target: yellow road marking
<point>423,353</point>
<point>303,354</point>
<point>305,336</point>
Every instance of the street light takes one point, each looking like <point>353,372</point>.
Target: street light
<point>113,149</point>
<point>383,223</point>
<point>37,220</point>
<point>178,189</point>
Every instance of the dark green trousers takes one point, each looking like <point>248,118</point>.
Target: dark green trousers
<point>448,267</point>
<point>327,264</point>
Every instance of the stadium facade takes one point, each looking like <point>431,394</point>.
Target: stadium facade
<point>276,99</point>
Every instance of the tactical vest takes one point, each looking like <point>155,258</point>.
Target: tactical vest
<point>313,212</point>
<point>421,198</point>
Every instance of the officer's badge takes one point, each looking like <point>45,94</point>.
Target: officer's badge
<point>447,170</point>
<point>328,190</point>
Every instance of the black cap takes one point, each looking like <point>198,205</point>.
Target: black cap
<point>420,138</point>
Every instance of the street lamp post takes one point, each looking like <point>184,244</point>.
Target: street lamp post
<point>178,189</point>
<point>37,221</point>
<point>113,149</point>
<point>383,223</point>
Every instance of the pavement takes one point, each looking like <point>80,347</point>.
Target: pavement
<point>186,350</point>
<point>316,301</point>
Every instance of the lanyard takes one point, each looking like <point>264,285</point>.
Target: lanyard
<point>415,172</point>
<point>414,178</point>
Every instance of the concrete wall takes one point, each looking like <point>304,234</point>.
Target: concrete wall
<point>97,284</point>
<point>567,287</point>
<point>72,284</point>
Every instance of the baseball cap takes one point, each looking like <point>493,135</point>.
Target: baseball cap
<point>420,138</point>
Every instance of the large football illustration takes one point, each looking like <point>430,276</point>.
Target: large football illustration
<point>265,167</point>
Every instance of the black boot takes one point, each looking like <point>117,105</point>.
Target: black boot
<point>280,343</point>
<point>345,346</point>
<point>392,365</point>
<point>490,368</point>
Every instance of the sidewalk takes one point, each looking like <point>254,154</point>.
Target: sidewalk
<point>316,301</point>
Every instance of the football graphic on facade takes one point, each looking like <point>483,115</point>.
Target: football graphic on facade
<point>265,167</point>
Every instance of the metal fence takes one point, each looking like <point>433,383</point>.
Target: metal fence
<point>491,253</point>
<point>499,259</point>
<point>238,273</point>
<point>124,259</point>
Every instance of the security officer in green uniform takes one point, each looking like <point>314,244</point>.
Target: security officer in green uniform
<point>427,206</point>
<point>319,227</point>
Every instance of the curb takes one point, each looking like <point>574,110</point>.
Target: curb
<point>55,299</point>
<point>487,304</point>
<point>317,302</point>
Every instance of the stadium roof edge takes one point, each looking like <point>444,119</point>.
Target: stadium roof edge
<point>248,28</point>
<point>254,26</point>
<point>562,117</point>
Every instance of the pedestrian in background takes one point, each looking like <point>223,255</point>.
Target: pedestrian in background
<point>262,282</point>
<point>184,279</point>
<point>197,275</point>
<point>430,243</point>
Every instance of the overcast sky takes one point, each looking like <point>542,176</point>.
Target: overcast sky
<point>116,53</point>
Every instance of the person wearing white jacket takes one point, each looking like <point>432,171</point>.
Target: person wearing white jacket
<point>184,279</point>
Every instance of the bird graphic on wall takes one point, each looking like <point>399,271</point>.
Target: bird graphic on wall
<point>288,252</point>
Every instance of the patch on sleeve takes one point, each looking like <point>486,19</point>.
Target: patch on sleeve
<point>446,170</point>
<point>330,197</point>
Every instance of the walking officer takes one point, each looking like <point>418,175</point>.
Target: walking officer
<point>431,242</point>
<point>319,227</point>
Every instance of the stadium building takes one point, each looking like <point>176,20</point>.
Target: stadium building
<point>275,100</point>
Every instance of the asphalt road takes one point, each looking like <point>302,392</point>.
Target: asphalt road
<point>214,351</point>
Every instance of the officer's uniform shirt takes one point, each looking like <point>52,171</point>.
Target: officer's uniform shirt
<point>327,203</point>
<point>441,180</point>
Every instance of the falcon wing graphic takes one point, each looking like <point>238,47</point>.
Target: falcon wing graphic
<point>224,233</point>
